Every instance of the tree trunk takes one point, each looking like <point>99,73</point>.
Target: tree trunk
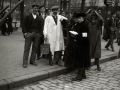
<point>44,2</point>
<point>1,4</point>
<point>82,6</point>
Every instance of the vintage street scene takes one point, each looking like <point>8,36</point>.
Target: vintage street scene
<point>59,44</point>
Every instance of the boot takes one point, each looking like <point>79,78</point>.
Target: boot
<point>51,57</point>
<point>98,68</point>
<point>79,75</point>
<point>59,63</point>
<point>83,74</point>
<point>97,62</point>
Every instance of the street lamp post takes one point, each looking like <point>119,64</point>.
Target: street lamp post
<point>10,4</point>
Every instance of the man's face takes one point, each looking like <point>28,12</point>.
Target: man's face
<point>99,11</point>
<point>35,9</point>
<point>63,14</point>
<point>114,15</point>
<point>55,11</point>
<point>93,19</point>
<point>49,12</point>
<point>42,9</point>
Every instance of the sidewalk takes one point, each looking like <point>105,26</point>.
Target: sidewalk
<point>12,74</point>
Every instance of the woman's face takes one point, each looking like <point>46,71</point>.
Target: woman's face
<point>80,19</point>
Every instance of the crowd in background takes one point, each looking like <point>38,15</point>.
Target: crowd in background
<point>6,27</point>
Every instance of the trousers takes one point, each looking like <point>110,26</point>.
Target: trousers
<point>31,39</point>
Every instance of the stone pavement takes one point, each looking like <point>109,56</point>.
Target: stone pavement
<point>12,72</point>
<point>107,79</point>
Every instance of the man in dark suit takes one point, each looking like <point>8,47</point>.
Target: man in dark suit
<point>110,27</point>
<point>41,39</point>
<point>32,30</point>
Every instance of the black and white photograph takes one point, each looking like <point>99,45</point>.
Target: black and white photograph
<point>59,44</point>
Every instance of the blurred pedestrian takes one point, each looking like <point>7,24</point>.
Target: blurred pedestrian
<point>53,32</point>
<point>9,23</point>
<point>77,51</point>
<point>110,26</point>
<point>95,23</point>
<point>32,30</point>
<point>118,29</point>
<point>4,25</point>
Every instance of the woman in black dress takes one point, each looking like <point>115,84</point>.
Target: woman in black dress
<point>77,53</point>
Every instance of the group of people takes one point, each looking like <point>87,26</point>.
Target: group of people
<point>83,38</point>
<point>6,27</point>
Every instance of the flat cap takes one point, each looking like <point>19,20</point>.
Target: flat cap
<point>55,7</point>
<point>41,7</point>
<point>35,5</point>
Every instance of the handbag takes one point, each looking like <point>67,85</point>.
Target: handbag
<point>45,48</point>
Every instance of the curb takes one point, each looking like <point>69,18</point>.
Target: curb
<point>10,83</point>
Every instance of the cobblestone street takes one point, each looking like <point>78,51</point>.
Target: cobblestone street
<point>107,79</point>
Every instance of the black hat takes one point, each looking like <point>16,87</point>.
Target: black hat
<point>35,5</point>
<point>112,13</point>
<point>80,15</point>
<point>41,7</point>
<point>55,7</point>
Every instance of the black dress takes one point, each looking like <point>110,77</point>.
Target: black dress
<point>77,53</point>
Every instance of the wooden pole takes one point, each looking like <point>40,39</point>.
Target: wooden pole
<point>44,2</point>
<point>10,4</point>
<point>22,12</point>
<point>82,6</point>
<point>61,2</point>
<point>69,8</point>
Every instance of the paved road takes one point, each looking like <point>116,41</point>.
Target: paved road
<point>107,79</point>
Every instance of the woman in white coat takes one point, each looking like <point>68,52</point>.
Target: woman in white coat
<point>53,32</point>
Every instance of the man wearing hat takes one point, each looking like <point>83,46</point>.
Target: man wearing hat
<point>77,50</point>
<point>53,31</point>
<point>41,40</point>
<point>31,28</point>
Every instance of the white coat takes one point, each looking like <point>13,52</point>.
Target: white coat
<point>54,33</point>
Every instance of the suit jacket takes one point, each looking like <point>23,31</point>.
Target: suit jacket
<point>27,21</point>
<point>42,22</point>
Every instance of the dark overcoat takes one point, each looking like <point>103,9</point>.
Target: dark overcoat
<point>118,28</point>
<point>95,39</point>
<point>109,33</point>
<point>77,50</point>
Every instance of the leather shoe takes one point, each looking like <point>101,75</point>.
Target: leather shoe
<point>99,68</point>
<point>37,58</point>
<point>107,48</point>
<point>35,64</point>
<point>24,66</point>
<point>51,62</point>
<point>84,77</point>
<point>113,50</point>
<point>59,63</point>
<point>77,78</point>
